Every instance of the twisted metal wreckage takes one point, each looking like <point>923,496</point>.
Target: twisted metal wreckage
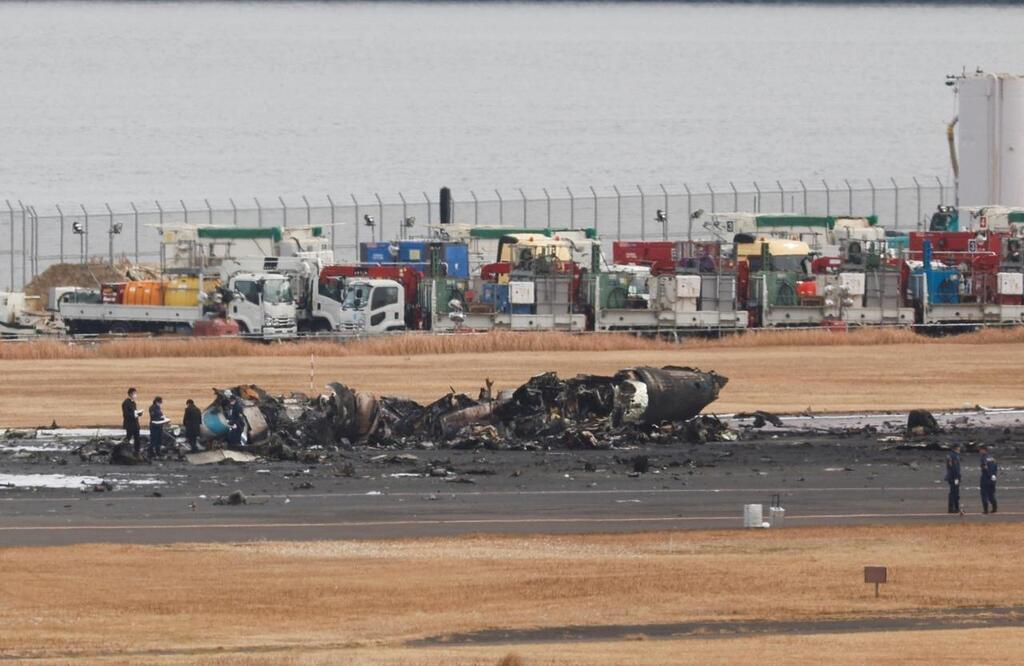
<point>587,411</point>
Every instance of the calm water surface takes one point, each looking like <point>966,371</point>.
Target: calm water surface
<point>114,102</point>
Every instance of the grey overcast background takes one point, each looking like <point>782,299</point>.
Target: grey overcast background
<point>114,102</point>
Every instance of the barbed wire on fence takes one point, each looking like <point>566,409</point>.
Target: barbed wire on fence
<point>39,236</point>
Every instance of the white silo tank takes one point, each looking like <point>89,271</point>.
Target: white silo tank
<point>991,139</point>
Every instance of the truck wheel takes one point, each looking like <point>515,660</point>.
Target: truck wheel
<point>321,326</point>
<point>119,328</point>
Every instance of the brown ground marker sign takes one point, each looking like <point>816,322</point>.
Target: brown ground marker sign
<point>876,575</point>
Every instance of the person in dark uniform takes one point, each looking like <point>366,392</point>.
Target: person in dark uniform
<point>236,421</point>
<point>156,426</point>
<point>953,478</point>
<point>193,422</point>
<point>988,480</point>
<point>130,421</point>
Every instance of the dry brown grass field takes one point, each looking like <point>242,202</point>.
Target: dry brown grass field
<point>776,372</point>
<point>360,602</point>
<point>498,341</point>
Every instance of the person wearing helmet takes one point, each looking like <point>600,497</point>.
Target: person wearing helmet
<point>236,422</point>
<point>988,480</point>
<point>953,478</point>
<point>156,426</point>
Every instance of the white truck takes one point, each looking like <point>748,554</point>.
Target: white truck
<point>371,307</point>
<point>824,234</point>
<point>261,303</point>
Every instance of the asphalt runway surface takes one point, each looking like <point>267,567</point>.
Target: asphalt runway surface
<point>826,470</point>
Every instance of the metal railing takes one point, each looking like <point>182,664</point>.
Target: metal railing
<point>39,236</point>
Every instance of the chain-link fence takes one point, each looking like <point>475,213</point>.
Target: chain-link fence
<point>38,236</point>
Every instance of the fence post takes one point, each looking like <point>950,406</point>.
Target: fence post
<point>309,213</point>
<point>572,209</point>
<point>896,203</point>
<point>135,226</point>
<point>380,217</point>
<point>24,241</point>
<point>430,214</point>
<point>689,213</point>
<point>356,227</point>
<point>33,225</point>
<point>259,212</point>
<point>523,195</point>
<point>917,186</point>
<point>804,188</point>
<point>849,189</point>
<point>209,212</point>
<point>10,210</point>
<point>618,213</point>
<point>476,208</point>
<point>872,186</point>
<point>735,197</point>
<point>184,208</point>
<point>664,225</point>
<point>828,198</point>
<point>234,213</point>
<point>501,209</point>
<point>593,193</point>
<point>110,234</point>
<point>712,191</point>
<point>405,216</point>
<point>547,197</point>
<point>35,220</point>
<point>757,199</point>
<point>284,210</point>
<point>83,239</point>
<point>643,214</point>
<point>330,202</point>
<point>60,215</point>
<point>942,190</point>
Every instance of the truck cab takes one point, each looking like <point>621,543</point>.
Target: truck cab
<point>262,304</point>
<point>372,306</point>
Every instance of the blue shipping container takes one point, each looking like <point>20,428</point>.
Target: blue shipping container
<point>412,251</point>
<point>456,255</point>
<point>375,253</point>
<point>496,295</point>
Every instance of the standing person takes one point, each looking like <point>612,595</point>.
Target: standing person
<point>130,414</point>
<point>988,480</point>
<point>193,422</point>
<point>236,420</point>
<point>953,478</point>
<point>156,426</point>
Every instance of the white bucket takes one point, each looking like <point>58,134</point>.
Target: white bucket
<point>753,515</point>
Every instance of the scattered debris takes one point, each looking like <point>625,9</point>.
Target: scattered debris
<point>761,418</point>
<point>219,456</point>
<point>234,499</point>
<point>920,422</point>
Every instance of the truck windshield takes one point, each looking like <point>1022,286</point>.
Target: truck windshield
<point>277,291</point>
<point>789,263</point>
<point>355,297</point>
